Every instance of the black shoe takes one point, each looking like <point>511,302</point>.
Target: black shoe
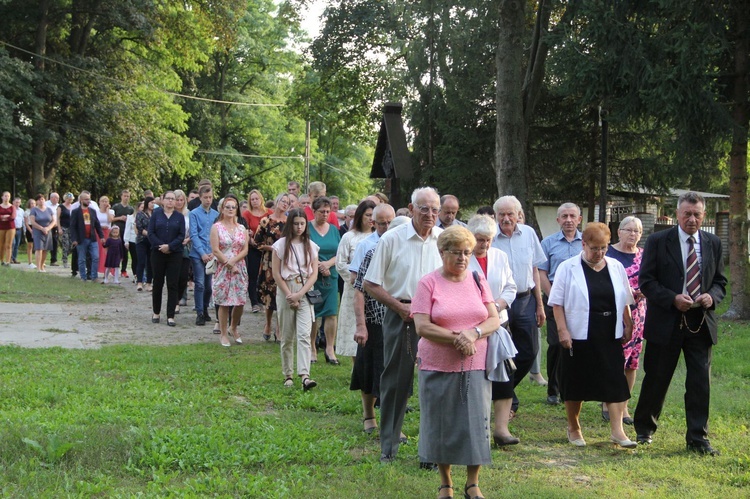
<point>628,421</point>
<point>200,320</point>
<point>553,400</point>
<point>206,317</point>
<point>428,466</point>
<point>403,440</point>
<point>643,439</point>
<point>605,414</point>
<point>503,441</point>
<point>387,458</point>
<point>409,409</point>
<point>329,360</point>
<point>702,448</point>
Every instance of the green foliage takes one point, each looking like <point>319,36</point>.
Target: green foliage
<point>202,421</point>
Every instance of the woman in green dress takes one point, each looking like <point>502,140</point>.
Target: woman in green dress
<point>327,237</point>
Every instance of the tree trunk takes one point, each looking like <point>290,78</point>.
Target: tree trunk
<point>37,179</point>
<point>511,133</point>
<point>738,222</point>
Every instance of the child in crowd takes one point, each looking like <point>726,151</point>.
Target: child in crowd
<point>115,251</point>
<point>295,269</point>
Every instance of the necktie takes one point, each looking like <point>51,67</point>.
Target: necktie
<point>693,271</point>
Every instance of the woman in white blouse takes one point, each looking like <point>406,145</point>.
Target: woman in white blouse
<point>347,324</point>
<point>494,265</point>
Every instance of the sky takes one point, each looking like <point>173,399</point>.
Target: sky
<point>311,19</point>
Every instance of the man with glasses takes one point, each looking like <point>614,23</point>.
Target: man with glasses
<point>84,228</point>
<point>558,247</point>
<point>525,255</point>
<point>682,278</point>
<point>403,256</point>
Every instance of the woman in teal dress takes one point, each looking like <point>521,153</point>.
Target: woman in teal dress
<point>327,237</point>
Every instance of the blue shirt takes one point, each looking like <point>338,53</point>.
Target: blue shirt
<point>363,247</point>
<point>201,222</point>
<point>167,230</point>
<point>557,249</point>
<point>524,253</point>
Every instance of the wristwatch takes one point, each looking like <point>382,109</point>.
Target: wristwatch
<point>479,332</point>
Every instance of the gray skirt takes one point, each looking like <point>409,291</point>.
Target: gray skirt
<point>454,418</point>
<point>42,241</point>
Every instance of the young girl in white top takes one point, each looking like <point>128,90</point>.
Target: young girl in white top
<point>295,270</point>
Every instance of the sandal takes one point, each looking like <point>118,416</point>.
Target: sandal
<point>217,329</point>
<point>466,491</point>
<point>288,383</point>
<point>155,319</point>
<point>308,384</point>
<point>139,287</point>
<point>370,429</point>
<point>445,487</point>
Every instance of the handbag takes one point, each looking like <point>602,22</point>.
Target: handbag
<point>211,266</point>
<point>313,296</point>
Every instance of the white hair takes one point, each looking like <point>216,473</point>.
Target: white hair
<point>423,190</point>
<point>637,221</point>
<point>507,199</point>
<point>483,225</point>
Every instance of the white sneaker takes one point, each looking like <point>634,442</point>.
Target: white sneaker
<point>117,281</point>
<point>32,266</point>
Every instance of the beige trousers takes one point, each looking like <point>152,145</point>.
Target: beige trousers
<point>294,322</point>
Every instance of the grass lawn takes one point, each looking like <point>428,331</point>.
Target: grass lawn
<point>201,420</point>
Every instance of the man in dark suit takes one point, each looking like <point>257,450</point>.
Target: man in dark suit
<point>682,278</point>
<point>84,228</point>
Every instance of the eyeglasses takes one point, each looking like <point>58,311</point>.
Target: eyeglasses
<point>631,231</point>
<point>230,207</point>
<point>466,253</point>
<point>382,224</point>
<point>424,210</point>
<point>169,199</point>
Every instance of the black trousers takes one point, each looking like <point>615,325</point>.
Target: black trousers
<point>523,330</point>
<point>165,266</point>
<point>659,363</point>
<point>553,352</point>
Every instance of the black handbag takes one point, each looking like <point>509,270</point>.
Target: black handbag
<point>313,296</point>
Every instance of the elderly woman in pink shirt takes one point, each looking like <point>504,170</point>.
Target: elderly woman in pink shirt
<point>454,313</point>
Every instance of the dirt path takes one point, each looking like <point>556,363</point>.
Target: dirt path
<point>123,318</point>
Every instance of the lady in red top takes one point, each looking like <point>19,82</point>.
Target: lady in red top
<point>7,228</point>
<point>257,210</point>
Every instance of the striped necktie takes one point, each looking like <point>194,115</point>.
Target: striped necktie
<point>693,271</point>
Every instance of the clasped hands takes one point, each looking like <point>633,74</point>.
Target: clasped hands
<point>293,299</point>
<point>683,302</point>
<point>464,341</point>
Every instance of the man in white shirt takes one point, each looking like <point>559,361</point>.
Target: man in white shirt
<point>402,257</point>
<point>525,255</point>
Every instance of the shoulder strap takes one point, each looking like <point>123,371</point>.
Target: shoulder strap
<point>476,280</point>
<point>291,246</point>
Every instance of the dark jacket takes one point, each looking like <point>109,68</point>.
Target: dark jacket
<point>662,277</point>
<point>78,228</point>
<point>163,230</point>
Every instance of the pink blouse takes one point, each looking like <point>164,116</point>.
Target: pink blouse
<point>290,268</point>
<point>455,306</point>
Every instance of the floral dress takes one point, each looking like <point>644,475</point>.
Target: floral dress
<point>632,263</point>
<point>230,288</point>
<point>269,231</point>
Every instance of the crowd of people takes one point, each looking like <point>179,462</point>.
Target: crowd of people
<point>463,302</point>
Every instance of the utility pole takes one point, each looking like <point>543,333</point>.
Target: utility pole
<point>307,156</point>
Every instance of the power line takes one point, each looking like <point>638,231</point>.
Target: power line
<point>221,153</point>
<point>120,82</point>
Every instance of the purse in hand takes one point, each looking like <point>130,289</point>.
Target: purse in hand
<point>313,296</point>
